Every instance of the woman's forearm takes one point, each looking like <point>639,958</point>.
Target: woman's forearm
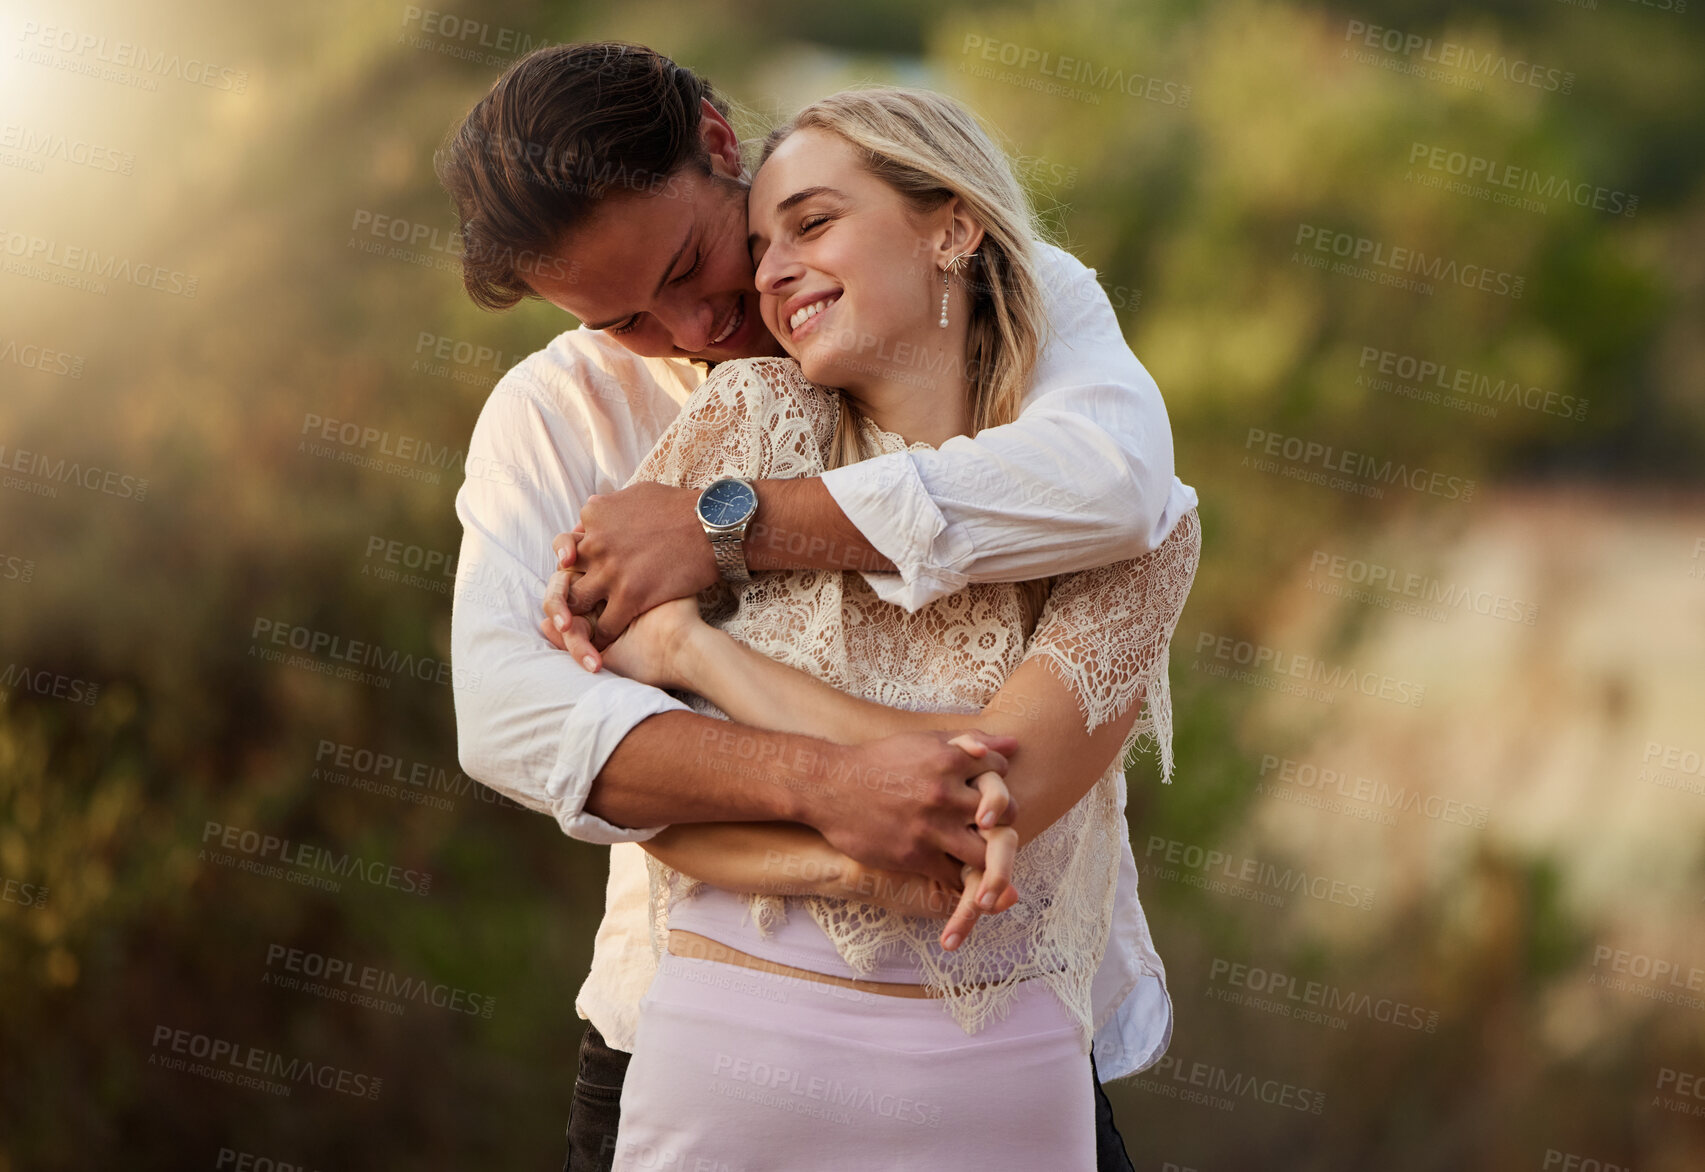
<point>767,858</point>
<point>754,689</point>
<point>1057,759</point>
<point>785,858</point>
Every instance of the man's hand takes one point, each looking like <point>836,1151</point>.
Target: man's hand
<point>638,547</point>
<point>911,803</point>
<point>983,893</point>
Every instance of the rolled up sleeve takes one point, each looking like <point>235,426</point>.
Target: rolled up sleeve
<point>1083,477</point>
<point>531,722</point>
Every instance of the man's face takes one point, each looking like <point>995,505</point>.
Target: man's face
<point>667,275</point>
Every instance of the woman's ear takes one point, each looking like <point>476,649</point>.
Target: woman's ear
<point>720,141</point>
<point>962,233</point>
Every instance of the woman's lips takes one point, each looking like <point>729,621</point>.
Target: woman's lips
<point>805,327</point>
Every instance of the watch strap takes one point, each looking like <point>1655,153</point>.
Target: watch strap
<point>730,554</point>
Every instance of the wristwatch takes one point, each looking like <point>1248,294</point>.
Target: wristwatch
<point>725,508</point>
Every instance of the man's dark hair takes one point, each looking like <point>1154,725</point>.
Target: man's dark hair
<point>564,128</point>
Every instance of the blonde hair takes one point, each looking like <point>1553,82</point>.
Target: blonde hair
<point>929,149</point>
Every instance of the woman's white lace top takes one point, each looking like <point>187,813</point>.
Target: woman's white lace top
<point>1103,632</point>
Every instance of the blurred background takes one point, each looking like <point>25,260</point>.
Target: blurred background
<point>1422,284</point>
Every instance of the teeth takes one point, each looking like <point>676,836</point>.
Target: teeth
<point>807,312</point>
<point>733,324</point>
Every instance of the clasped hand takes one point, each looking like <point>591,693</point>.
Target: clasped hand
<point>638,547</point>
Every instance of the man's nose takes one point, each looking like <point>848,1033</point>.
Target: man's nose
<point>689,326</point>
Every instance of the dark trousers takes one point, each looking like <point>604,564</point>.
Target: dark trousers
<point>595,1112</point>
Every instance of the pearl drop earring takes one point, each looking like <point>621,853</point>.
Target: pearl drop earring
<point>952,267</point>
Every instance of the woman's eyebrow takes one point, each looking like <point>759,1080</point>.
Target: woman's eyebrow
<point>794,200</point>
<point>800,197</point>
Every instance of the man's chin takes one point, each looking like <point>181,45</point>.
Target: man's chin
<point>752,340</point>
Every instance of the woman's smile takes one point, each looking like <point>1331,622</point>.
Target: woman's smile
<point>804,312</point>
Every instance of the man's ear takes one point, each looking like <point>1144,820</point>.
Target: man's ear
<point>960,233</point>
<point>720,141</point>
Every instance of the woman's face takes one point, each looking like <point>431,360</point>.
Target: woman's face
<point>846,272</point>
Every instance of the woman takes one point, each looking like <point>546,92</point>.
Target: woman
<point>894,262</point>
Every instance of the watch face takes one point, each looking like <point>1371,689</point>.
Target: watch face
<point>727,502</point>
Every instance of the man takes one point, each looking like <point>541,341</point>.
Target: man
<point>606,180</point>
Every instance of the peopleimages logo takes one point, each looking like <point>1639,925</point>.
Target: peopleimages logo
<point>360,438</point>
<point>1305,1000</point>
<point>1506,182</point>
<point>1297,665</point>
<point>43,358</point>
<point>1332,784</point>
<point>1420,51</point>
<point>40,146</point>
<point>1657,970</point>
<point>365,985</point>
<point>232,1062</point>
<point>1214,867</point>
<point>463,39</point>
<point>459,361</point>
<point>14,568</point>
<point>84,267</point>
<point>391,776</point>
<point>309,860</point>
<point>1224,1087</point>
<point>564,169</point>
<point>400,561</point>
<point>1433,598</point>
<point>1329,458</point>
<point>47,683</point>
<point>1364,250</point>
<point>240,1161</point>
<point>28,895</point>
<point>271,636</point>
<point>1426,373</point>
<point>1674,767</point>
<point>48,474</point>
<point>802,1085</point>
<point>1072,71</point>
<point>40,40</point>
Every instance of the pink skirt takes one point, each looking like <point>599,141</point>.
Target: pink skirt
<point>741,1071</point>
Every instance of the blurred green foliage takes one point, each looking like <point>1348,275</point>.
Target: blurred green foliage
<point>1190,210</point>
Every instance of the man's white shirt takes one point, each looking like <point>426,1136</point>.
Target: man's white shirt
<point>1082,478</point>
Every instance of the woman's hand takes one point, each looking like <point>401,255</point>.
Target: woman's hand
<point>989,889</point>
<point>650,649</point>
<point>563,629</point>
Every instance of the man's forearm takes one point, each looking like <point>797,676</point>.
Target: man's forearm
<point>1058,758</point>
<point>898,804</point>
<point>679,767</point>
<point>798,526</point>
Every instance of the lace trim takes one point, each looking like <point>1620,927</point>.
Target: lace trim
<point>1146,596</point>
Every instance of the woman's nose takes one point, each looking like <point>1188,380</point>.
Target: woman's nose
<point>775,271</point>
